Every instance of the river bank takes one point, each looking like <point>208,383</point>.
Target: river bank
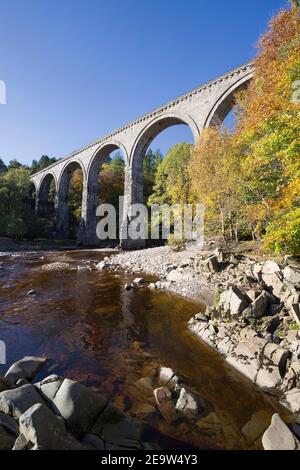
<point>253,309</point>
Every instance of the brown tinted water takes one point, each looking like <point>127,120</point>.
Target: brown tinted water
<point>93,330</point>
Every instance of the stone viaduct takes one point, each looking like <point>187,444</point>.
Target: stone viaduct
<point>202,107</point>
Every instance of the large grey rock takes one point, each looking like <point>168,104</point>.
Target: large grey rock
<point>278,436</point>
<point>175,275</point>
<point>292,275</point>
<point>126,428</point>
<point>164,402</point>
<point>292,400</point>
<point>58,266</point>
<point>49,386</point>
<point>258,307</point>
<point>21,443</point>
<point>17,401</point>
<point>269,379</point>
<point>25,368</point>
<point>78,405</point>
<point>110,414</point>
<point>277,355</point>
<point>168,377</point>
<point>272,277</point>
<point>234,301</point>
<point>211,264</point>
<point>42,428</point>
<point>189,405</point>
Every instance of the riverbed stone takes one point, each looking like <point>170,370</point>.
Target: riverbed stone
<point>126,428</point>
<point>163,399</point>
<point>269,379</point>
<point>234,301</point>
<point>144,410</point>
<point>295,312</point>
<point>42,428</point>
<point>167,377</point>
<point>189,405</point>
<point>278,436</point>
<point>211,264</point>
<point>49,386</point>
<point>15,402</point>
<point>145,385</point>
<point>272,277</point>
<point>25,368</point>
<point>257,425</point>
<point>257,308</point>
<point>292,275</point>
<point>78,405</point>
<point>292,400</point>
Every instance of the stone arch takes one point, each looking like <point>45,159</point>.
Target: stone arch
<point>155,127</point>
<point>226,102</point>
<point>45,182</point>
<point>66,174</point>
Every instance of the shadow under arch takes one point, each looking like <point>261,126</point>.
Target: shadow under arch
<point>226,102</point>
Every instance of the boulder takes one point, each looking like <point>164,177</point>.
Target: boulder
<point>167,377</point>
<point>43,429</point>
<point>269,379</point>
<point>110,414</point>
<point>25,368</point>
<point>292,275</point>
<point>258,307</point>
<point>78,405</point>
<point>189,405</point>
<point>272,277</point>
<point>278,356</point>
<point>234,301</point>
<point>163,399</point>
<point>49,386</point>
<point>292,400</point>
<point>15,402</point>
<point>278,436</point>
<point>211,264</point>
<point>257,425</point>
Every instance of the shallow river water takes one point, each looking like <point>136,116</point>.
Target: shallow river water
<point>92,330</point>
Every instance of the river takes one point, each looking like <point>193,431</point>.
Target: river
<point>94,331</point>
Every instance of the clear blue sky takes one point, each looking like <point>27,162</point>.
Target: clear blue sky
<point>77,69</point>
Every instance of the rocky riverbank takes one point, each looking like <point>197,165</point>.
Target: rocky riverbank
<point>253,312</point>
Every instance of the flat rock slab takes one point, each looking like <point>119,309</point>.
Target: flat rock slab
<point>78,405</point>
<point>26,368</point>
<point>15,402</point>
<point>45,430</point>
